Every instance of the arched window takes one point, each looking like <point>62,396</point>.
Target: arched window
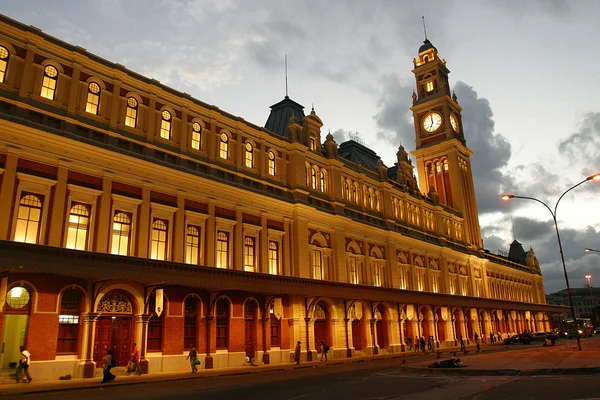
<point>49,82</point>
<point>18,300</point>
<point>190,322</point>
<point>196,135</point>
<point>249,155</point>
<point>132,112</point>
<point>28,219</point>
<point>446,165</point>
<point>313,178</point>
<point>68,322</point>
<point>322,181</point>
<point>154,326</point>
<point>222,249</point>
<point>222,318</point>
<point>347,191</point>
<point>224,147</point>
<point>352,269</point>
<point>249,254</point>
<point>165,125</point>
<point>159,240</point>
<point>317,264</point>
<point>4,57</point>
<point>273,258</point>
<point>271,163</point>
<point>354,194</point>
<point>192,245</point>
<point>77,230</point>
<point>121,233</point>
<point>93,98</point>
<point>274,327</point>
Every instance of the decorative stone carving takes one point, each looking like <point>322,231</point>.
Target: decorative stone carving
<point>115,302</point>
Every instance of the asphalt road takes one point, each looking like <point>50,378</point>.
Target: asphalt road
<point>376,380</point>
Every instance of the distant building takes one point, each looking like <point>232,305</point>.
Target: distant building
<point>585,302</point>
<point>132,212</point>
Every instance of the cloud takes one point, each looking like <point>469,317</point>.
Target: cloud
<point>394,118</point>
<point>582,148</point>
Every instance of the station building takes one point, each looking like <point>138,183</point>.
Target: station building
<point>133,213</point>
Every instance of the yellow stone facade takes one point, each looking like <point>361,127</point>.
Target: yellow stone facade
<point>114,186</point>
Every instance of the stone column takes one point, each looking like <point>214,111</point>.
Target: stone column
<point>72,101</point>
<point>57,217</point>
<point>179,230</point>
<point>308,346</point>
<point>208,360</point>
<point>28,69</point>
<point>263,245</point>
<point>89,368</point>
<point>238,242</point>
<point>347,323</point>
<point>7,192</point>
<point>104,221</point>
<point>266,358</point>
<point>209,258</point>
<point>144,224</point>
<point>141,321</point>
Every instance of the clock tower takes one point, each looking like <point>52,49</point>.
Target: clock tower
<point>443,159</point>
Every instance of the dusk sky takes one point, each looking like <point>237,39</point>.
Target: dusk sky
<point>525,73</point>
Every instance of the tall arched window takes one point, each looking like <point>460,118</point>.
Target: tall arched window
<point>28,219</point>
<point>271,163</point>
<point>273,258</point>
<point>313,178</point>
<point>196,135</point>
<point>132,112</point>
<point>93,98</point>
<point>68,322</point>
<point>77,230</point>
<point>274,327</point>
<point>154,327</point>
<point>4,57</point>
<point>249,254</point>
<point>159,240</point>
<point>192,247</point>
<point>121,233</point>
<point>222,249</point>
<point>222,324</point>
<point>49,82</point>
<point>190,323</point>
<point>224,147</point>
<point>322,181</point>
<point>249,155</point>
<point>347,191</point>
<point>317,264</point>
<point>355,194</point>
<point>165,125</point>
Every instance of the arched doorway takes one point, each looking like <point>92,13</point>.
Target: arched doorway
<point>358,323</point>
<point>381,333</point>
<point>426,317</point>
<point>459,324</point>
<point>321,326</point>
<point>114,328</point>
<point>16,319</point>
<point>250,315</point>
<point>441,326</point>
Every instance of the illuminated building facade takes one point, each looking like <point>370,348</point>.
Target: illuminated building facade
<point>135,213</point>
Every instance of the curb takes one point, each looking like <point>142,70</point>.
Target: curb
<point>501,372</point>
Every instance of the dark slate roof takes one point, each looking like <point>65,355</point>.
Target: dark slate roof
<point>281,114</point>
<point>392,172</point>
<point>517,253</point>
<point>585,291</point>
<point>426,46</point>
<point>357,153</point>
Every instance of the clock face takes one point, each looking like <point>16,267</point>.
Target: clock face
<point>454,122</point>
<point>432,122</point>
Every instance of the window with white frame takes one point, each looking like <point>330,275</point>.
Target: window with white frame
<point>377,273</point>
<point>78,226</point>
<point>249,155</point>
<point>271,163</point>
<point>49,81</point>
<point>322,181</point>
<point>317,260</point>
<point>4,57</point>
<point>121,233</point>
<point>196,136</point>
<point>222,249</point>
<point>192,245</point>
<point>158,250</point>
<point>93,98</point>
<point>29,219</point>
<point>273,258</point>
<point>346,191</point>
<point>313,178</point>
<point>131,113</point>
<point>165,125</point>
<point>224,147</point>
<point>249,257</point>
<point>403,272</point>
<point>353,269</point>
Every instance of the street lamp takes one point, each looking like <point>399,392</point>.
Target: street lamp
<point>588,250</point>
<point>562,257</point>
<point>588,277</point>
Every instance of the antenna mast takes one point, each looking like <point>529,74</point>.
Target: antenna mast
<point>424,29</point>
<point>286,83</point>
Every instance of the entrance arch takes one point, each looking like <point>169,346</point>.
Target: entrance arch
<point>19,303</point>
<point>381,325</point>
<point>114,328</point>
<point>250,316</point>
<point>321,326</point>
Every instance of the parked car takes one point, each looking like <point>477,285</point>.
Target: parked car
<point>597,330</point>
<point>525,339</point>
<point>541,335</point>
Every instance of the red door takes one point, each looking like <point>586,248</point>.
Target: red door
<point>320,334</point>
<point>379,328</point>
<point>250,350</point>
<point>113,334</point>
<point>102,339</point>
<point>356,335</point>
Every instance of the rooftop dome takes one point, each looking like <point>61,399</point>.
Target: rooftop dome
<point>426,46</point>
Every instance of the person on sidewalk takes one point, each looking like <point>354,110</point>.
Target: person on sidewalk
<point>324,350</point>
<point>492,339</point>
<point>297,352</point>
<point>477,341</point>
<point>24,363</point>
<point>430,343</point>
<point>108,362</point>
<point>410,343</point>
<point>422,343</point>
<point>193,356</point>
<point>463,346</point>
<point>416,344</point>
<point>135,362</point>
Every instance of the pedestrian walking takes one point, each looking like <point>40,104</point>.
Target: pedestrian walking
<point>24,363</point>
<point>430,344</point>
<point>108,362</point>
<point>463,347</point>
<point>193,357</point>
<point>477,341</point>
<point>416,343</point>
<point>410,343</point>
<point>491,338</point>
<point>134,362</point>
<point>422,343</point>
<point>324,349</point>
<point>297,352</point>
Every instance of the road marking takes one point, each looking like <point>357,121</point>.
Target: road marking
<point>297,397</point>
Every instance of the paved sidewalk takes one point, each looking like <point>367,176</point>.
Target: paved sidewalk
<point>493,360</point>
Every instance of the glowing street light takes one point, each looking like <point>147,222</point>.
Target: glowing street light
<point>594,177</point>
<point>588,250</point>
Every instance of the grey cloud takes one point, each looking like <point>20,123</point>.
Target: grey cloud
<point>394,118</point>
<point>340,136</point>
<point>583,146</point>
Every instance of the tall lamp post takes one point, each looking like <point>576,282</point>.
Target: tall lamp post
<point>588,278</point>
<point>562,257</point>
<point>588,250</point>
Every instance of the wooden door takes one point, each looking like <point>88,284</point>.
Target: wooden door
<point>250,333</point>
<point>356,335</point>
<point>121,340</point>
<point>379,328</point>
<point>102,338</point>
<point>320,334</point>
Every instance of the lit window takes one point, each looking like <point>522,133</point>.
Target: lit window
<point>322,181</point>
<point>192,245</point>
<point>317,264</point>
<point>222,323</point>
<point>93,98</point>
<point>159,240</point>
<point>354,194</point>
<point>121,233</point>
<point>445,165</point>
<point>429,86</point>
<point>132,112</point>
<point>28,219</point>
<point>155,328</point>
<point>165,125</point>
<point>438,167</point>
<point>4,54</point>
<point>273,258</point>
<point>313,143</point>
<point>313,178</point>
<point>68,322</point>
<point>274,327</point>
<point>271,163</point>
<point>196,135</point>
<point>18,297</point>
<point>249,155</point>
<point>249,254</point>
<point>49,82</point>
<point>224,146</point>
<point>376,274</point>
<point>352,270</point>
<point>222,250</point>
<point>77,230</point>
<point>347,191</point>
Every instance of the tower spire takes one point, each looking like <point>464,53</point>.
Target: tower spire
<point>424,29</point>
<point>286,83</point>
